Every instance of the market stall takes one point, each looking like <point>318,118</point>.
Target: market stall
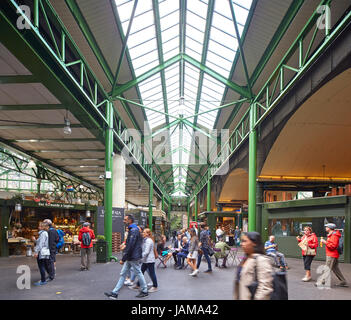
<point>21,225</point>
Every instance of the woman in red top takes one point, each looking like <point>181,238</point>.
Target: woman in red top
<point>312,243</point>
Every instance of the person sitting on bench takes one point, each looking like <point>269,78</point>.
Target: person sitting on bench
<point>272,250</point>
<point>181,256</point>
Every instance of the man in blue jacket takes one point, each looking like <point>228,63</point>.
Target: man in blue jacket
<point>183,253</point>
<point>131,259</point>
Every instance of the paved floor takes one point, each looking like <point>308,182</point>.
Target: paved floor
<point>73,284</point>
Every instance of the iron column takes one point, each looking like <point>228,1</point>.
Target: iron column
<point>208,193</point>
<point>252,170</point>
<point>151,194</point>
<point>196,208</point>
<point>108,177</point>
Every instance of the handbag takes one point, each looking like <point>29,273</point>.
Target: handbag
<point>254,284</point>
<point>45,252</point>
<point>310,251</point>
<point>210,251</point>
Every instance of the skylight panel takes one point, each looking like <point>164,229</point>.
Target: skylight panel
<point>141,37</point>
<point>197,6</point>
<point>221,50</point>
<point>168,6</point>
<point>124,9</point>
<point>241,13</point>
<point>169,20</point>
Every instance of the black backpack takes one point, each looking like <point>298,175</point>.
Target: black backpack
<point>86,239</point>
<point>280,285</point>
<point>341,244</point>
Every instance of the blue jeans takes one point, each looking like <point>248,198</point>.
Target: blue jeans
<point>136,268</point>
<point>208,259</point>
<point>181,256</point>
<point>279,258</point>
<point>150,267</point>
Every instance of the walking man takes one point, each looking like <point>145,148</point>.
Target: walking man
<point>205,246</point>
<point>53,241</point>
<point>332,253</point>
<point>131,259</point>
<point>86,236</point>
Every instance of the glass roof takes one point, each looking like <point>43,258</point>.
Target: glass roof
<point>160,30</point>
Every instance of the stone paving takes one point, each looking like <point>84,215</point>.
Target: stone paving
<point>73,284</point>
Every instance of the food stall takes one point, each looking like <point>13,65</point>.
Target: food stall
<point>19,226</point>
<point>230,219</point>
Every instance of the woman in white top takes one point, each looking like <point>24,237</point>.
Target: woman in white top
<point>148,259</point>
<point>193,252</point>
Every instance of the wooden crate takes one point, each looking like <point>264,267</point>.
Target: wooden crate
<point>116,241</point>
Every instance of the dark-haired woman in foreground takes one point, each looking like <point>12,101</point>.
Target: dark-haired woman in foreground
<point>254,267</point>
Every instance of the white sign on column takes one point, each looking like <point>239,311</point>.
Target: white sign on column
<point>119,182</point>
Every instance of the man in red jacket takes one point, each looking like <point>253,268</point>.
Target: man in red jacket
<point>86,236</point>
<point>332,253</point>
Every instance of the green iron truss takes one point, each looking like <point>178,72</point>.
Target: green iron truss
<point>260,105</point>
<point>276,87</point>
<point>56,183</point>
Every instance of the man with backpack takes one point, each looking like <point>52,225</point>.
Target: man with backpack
<point>86,235</point>
<point>333,249</point>
<point>53,240</point>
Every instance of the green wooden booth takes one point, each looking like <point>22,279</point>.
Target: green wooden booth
<point>286,220</point>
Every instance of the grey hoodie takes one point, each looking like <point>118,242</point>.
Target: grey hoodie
<point>148,251</point>
<point>42,243</point>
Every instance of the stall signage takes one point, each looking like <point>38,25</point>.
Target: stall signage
<point>143,219</point>
<point>56,205</point>
<point>117,220</point>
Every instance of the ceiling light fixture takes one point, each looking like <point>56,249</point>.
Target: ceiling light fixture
<point>67,128</point>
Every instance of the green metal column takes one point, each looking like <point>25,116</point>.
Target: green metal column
<point>108,179</point>
<point>347,236</point>
<point>4,224</point>
<point>208,194</point>
<point>252,170</point>
<point>196,208</point>
<point>151,194</point>
<point>188,210</point>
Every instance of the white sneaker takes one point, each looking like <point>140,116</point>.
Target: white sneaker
<point>153,289</point>
<point>150,284</point>
<point>128,283</point>
<point>134,287</point>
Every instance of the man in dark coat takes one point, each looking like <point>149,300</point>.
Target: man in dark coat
<point>131,259</point>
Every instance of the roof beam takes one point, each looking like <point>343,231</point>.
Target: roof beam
<point>240,47</point>
<point>231,85</point>
<point>37,126</point>
<point>18,79</point>
<point>160,55</point>
<point>31,107</point>
<point>278,35</point>
<point>83,25</point>
<point>144,76</point>
<point>124,46</point>
<point>53,140</point>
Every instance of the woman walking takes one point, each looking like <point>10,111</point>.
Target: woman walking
<point>42,253</point>
<point>148,259</point>
<point>254,279</point>
<point>309,242</point>
<point>193,252</point>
